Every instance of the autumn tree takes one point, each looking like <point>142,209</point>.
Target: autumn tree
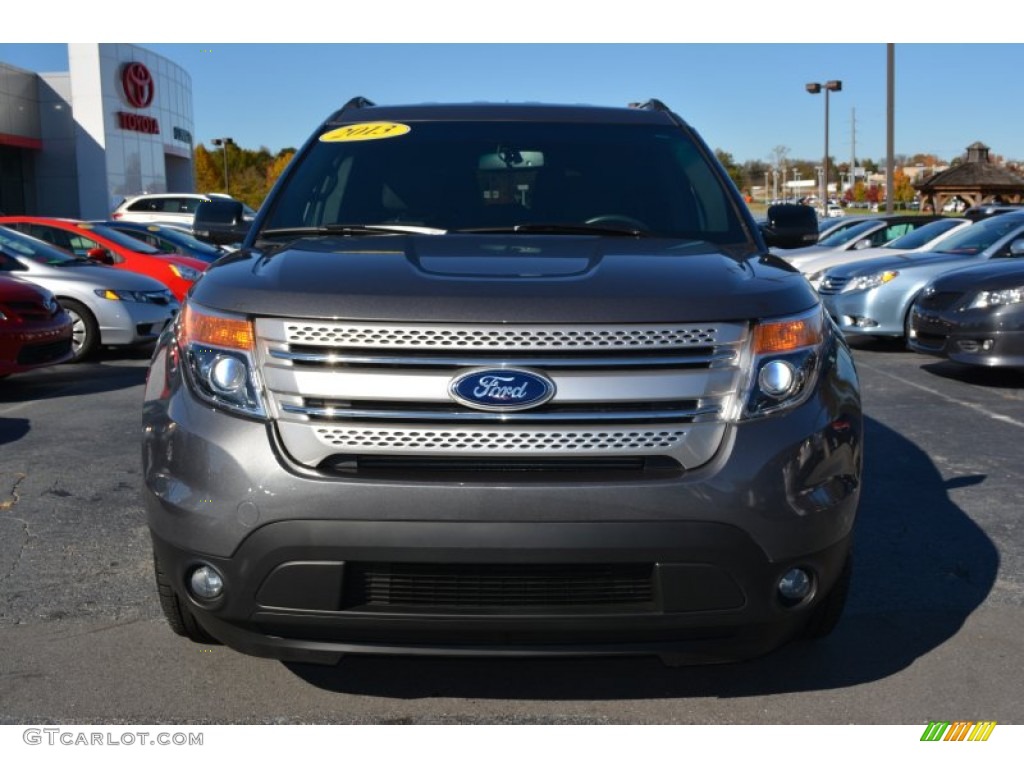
<point>277,166</point>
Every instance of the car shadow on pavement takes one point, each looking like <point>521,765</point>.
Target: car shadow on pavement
<point>107,372</point>
<point>922,567</point>
<point>976,375</point>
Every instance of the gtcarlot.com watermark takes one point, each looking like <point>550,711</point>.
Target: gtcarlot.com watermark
<point>69,737</point>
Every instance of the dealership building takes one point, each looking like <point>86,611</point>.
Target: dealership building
<point>75,143</point>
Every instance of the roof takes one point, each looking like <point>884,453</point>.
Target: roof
<point>651,113</point>
<point>977,172</point>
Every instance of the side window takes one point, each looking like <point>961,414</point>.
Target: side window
<point>57,237</point>
<point>146,205</point>
<point>81,245</point>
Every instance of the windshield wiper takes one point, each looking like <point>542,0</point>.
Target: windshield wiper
<point>352,230</point>
<point>559,229</point>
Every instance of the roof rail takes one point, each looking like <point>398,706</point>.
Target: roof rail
<point>358,102</point>
<point>655,104</point>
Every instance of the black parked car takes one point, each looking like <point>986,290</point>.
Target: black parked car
<point>973,315</point>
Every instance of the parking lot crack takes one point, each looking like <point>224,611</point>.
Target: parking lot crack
<point>12,497</point>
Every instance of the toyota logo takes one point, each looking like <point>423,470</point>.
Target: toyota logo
<point>137,83</point>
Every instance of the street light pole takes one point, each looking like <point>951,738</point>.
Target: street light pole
<point>815,88</point>
<point>224,142</point>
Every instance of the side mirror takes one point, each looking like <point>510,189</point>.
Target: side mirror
<point>790,226</point>
<point>220,222</point>
<point>101,255</point>
<point>1017,248</point>
<point>860,245</point>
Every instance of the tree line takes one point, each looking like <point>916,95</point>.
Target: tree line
<point>780,168</point>
<point>250,173</point>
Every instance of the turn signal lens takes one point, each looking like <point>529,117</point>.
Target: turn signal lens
<point>788,335</point>
<point>228,332</point>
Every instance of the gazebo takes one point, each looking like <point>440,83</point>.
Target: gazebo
<point>976,181</point>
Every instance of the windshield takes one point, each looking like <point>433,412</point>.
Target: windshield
<point>977,237</point>
<point>921,236</point>
<point>850,233</point>
<point>458,176</point>
<point>17,244</point>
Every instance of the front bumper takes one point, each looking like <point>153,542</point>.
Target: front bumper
<point>865,313</point>
<point>130,323</point>
<point>43,343</point>
<point>985,337</point>
<point>699,552</point>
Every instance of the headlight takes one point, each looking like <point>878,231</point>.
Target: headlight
<point>785,358</point>
<point>218,350</point>
<point>997,298</point>
<point>141,297</point>
<point>867,282</point>
<point>186,273</point>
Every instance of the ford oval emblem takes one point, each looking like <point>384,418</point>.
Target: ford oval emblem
<point>501,389</point>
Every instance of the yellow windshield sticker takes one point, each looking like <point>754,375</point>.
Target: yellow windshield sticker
<point>366,132</point>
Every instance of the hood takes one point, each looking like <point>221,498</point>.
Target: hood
<point>16,290</point>
<point>500,278</point>
<point>901,262</point>
<point>994,274</point>
<point>90,275</point>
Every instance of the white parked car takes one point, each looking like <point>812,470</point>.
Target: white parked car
<point>173,208</point>
<point>834,211</point>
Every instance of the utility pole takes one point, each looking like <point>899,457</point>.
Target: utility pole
<point>890,161</point>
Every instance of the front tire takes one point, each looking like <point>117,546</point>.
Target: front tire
<point>85,331</point>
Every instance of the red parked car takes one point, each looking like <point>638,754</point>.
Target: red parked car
<point>34,329</point>
<point>107,246</point>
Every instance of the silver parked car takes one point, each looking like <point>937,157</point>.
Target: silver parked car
<point>874,297</point>
<point>921,239</point>
<point>107,306</point>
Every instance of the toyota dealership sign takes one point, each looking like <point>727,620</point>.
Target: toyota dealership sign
<point>139,89</point>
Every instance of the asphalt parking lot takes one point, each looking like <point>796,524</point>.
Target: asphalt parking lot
<point>934,627</point>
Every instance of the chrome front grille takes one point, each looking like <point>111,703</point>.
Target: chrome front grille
<point>489,337</point>
<point>832,284</point>
<point>383,389</point>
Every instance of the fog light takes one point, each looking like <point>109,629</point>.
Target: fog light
<point>227,374</point>
<point>777,378</point>
<point>206,583</point>
<point>794,586</point>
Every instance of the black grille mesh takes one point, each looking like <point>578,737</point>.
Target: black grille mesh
<point>497,587</point>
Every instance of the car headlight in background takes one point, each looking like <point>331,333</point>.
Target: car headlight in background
<point>997,298</point>
<point>787,355</point>
<point>867,282</point>
<point>218,351</point>
<point>186,273</point>
<point>141,297</point>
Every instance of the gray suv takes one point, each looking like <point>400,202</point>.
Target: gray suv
<point>499,380</point>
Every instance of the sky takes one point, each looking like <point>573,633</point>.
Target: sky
<point>744,95</point>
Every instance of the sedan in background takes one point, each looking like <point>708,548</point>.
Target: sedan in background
<point>115,248</point>
<point>35,331</point>
<point>920,239</point>
<point>873,297</point>
<point>108,307</point>
<point>167,239</point>
<point>973,315</point>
